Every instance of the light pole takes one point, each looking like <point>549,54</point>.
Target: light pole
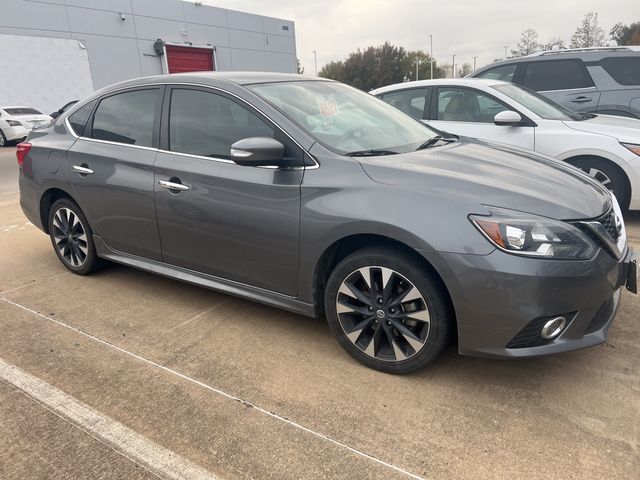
<point>453,66</point>
<point>431,62</point>
<point>417,65</point>
<point>506,47</point>
<point>315,61</point>
<point>474,63</point>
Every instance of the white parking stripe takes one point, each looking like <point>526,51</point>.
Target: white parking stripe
<point>158,460</point>
<point>223,393</point>
<point>36,282</point>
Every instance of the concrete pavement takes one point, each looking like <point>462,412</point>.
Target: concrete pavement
<point>245,391</point>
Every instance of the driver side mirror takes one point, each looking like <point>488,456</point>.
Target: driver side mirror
<point>258,151</point>
<point>508,118</point>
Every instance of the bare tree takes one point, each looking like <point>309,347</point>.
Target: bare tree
<point>528,43</point>
<point>589,33</point>
<point>554,43</point>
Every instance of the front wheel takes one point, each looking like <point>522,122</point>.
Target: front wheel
<point>72,238</point>
<point>387,310</point>
<point>3,140</point>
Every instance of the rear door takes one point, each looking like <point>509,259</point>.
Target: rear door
<point>565,81</point>
<point>110,167</point>
<point>470,112</point>
<point>236,222</point>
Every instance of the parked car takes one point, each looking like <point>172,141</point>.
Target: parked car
<point>17,122</point>
<point>312,196</point>
<point>594,80</point>
<point>66,107</point>
<point>606,147</point>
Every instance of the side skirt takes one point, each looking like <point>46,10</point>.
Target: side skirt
<point>230,287</point>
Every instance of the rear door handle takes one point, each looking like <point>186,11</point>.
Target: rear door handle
<point>173,186</point>
<point>82,170</point>
<point>581,99</point>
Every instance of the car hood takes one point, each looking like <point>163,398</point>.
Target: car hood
<point>622,128</point>
<point>480,173</point>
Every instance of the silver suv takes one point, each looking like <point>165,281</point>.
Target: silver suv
<point>594,80</point>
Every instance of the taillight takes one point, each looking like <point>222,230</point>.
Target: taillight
<point>21,152</point>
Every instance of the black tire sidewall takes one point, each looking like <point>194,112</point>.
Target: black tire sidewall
<point>416,272</point>
<point>2,136</point>
<point>92,260</point>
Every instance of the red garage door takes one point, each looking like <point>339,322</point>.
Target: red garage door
<point>189,59</point>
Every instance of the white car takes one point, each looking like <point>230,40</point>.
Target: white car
<point>604,146</point>
<point>17,122</point>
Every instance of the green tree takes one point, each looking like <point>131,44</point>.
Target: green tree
<point>528,43</point>
<point>588,33</point>
<point>465,70</point>
<point>626,34</point>
<point>424,66</point>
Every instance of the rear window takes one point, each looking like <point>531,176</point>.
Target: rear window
<point>624,70</point>
<point>556,75</point>
<point>504,72</point>
<point>22,111</point>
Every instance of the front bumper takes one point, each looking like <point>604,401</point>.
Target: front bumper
<point>497,296</point>
<point>16,133</point>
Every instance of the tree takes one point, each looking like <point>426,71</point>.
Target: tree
<point>554,43</point>
<point>424,66</point>
<point>528,43</point>
<point>589,33</point>
<point>465,70</point>
<point>300,67</point>
<point>626,34</point>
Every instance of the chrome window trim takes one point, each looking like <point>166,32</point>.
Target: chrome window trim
<point>173,84</point>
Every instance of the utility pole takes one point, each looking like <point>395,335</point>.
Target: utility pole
<point>431,62</point>
<point>453,66</point>
<point>417,65</point>
<point>474,63</point>
<point>505,51</point>
<point>315,61</point>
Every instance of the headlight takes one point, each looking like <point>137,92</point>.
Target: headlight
<point>13,123</point>
<point>634,148</point>
<point>533,236</point>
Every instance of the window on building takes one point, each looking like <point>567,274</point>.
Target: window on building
<point>207,124</point>
<point>556,75</point>
<point>126,118</point>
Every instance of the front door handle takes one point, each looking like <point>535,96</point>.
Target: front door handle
<point>581,99</point>
<point>181,187</point>
<point>82,170</point>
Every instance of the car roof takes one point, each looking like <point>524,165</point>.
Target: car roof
<point>469,82</point>
<point>2,107</point>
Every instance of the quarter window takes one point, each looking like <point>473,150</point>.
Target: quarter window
<point>207,124</point>
<point>411,102</point>
<point>624,70</point>
<point>556,75</point>
<point>78,119</point>
<point>504,72</point>
<point>466,105</point>
<point>126,118</point>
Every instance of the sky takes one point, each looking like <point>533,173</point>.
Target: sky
<point>466,28</point>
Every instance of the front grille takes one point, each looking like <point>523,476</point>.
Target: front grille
<point>530,336</point>
<point>601,317</point>
<point>608,221</point>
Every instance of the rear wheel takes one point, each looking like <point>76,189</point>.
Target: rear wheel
<point>608,175</point>
<point>72,238</point>
<point>387,310</point>
<point>3,140</point>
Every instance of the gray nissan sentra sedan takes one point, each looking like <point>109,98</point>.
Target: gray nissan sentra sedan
<point>306,194</point>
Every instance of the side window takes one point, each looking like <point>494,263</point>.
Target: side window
<point>411,102</point>
<point>556,75</point>
<point>78,119</point>
<point>126,118</point>
<point>503,72</point>
<point>466,105</point>
<point>624,70</point>
<point>207,124</point>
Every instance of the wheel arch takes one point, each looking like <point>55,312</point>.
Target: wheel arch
<point>48,198</point>
<point>345,246</point>
<point>615,165</point>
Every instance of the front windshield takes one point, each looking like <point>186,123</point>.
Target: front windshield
<point>344,119</point>
<point>538,104</point>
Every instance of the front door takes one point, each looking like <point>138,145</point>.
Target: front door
<point>111,170</point>
<point>235,222</point>
<point>470,112</point>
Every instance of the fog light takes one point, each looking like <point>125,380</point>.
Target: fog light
<point>553,328</point>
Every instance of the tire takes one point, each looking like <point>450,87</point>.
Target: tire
<point>74,247</point>
<point>411,326</point>
<point>3,140</point>
<point>607,174</point>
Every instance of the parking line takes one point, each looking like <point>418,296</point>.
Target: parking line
<point>199,315</point>
<point>158,460</point>
<point>35,283</point>
<point>222,393</point>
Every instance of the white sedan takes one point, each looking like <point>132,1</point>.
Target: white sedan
<point>17,122</point>
<point>604,146</point>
